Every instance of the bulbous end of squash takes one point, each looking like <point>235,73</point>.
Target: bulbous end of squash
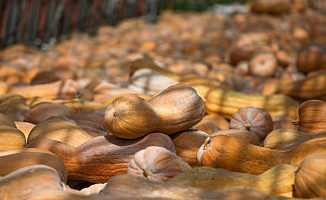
<point>130,117</point>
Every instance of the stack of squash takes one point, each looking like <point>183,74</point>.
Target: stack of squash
<point>196,106</point>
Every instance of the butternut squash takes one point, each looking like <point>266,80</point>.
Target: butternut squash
<point>175,109</point>
<point>28,181</point>
<point>125,185</point>
<point>60,129</point>
<point>310,177</point>
<point>12,160</point>
<point>102,157</point>
<point>275,181</point>
<point>231,154</point>
<point>226,103</point>
<point>288,138</point>
<point>11,138</point>
<point>312,116</point>
<point>187,144</point>
<point>312,87</point>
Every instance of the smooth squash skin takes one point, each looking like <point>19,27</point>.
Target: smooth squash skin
<point>175,109</point>
<point>231,154</point>
<point>212,123</point>
<point>15,159</point>
<point>42,111</point>
<point>275,181</point>
<point>242,135</point>
<point>187,144</point>
<point>288,138</point>
<point>125,185</point>
<point>312,87</point>
<point>310,178</point>
<point>60,129</point>
<point>312,116</point>
<point>227,102</point>
<point>5,120</point>
<point>11,138</point>
<point>28,181</point>
<point>63,89</point>
<point>102,157</point>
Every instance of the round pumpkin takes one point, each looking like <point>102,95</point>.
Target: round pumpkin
<point>255,120</point>
<point>157,163</point>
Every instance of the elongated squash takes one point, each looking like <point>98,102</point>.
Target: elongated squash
<point>227,102</point>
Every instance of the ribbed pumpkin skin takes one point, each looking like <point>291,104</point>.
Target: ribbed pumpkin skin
<point>175,109</point>
<point>312,115</point>
<point>310,179</point>
<point>157,163</point>
<point>255,120</point>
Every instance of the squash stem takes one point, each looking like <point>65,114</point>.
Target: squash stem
<point>147,173</point>
<point>207,143</point>
<point>247,126</point>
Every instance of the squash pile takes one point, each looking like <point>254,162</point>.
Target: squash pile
<point>195,106</point>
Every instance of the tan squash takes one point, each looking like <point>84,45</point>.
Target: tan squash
<point>105,92</point>
<point>29,180</point>
<point>125,185</point>
<point>57,90</point>
<point>148,63</point>
<point>25,128</point>
<point>207,126</point>
<point>310,177</point>
<point>149,82</point>
<point>231,154</point>
<point>13,160</point>
<point>263,64</point>
<point>16,110</point>
<point>283,122</point>
<point>288,138</point>
<point>11,138</point>
<point>255,120</point>
<point>60,129</point>
<point>242,135</point>
<point>175,109</point>
<point>276,7</point>
<point>217,119</point>
<point>187,144</point>
<point>102,157</point>
<point>81,105</point>
<point>226,103</point>
<point>201,89</point>
<point>311,58</point>
<point>157,163</point>
<point>42,111</point>
<point>275,181</point>
<point>312,87</point>
<point>312,116</point>
<point>5,120</point>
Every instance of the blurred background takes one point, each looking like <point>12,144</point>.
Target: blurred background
<point>38,22</point>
